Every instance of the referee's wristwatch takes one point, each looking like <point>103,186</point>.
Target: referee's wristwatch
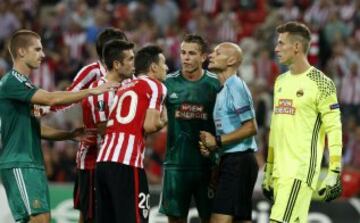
<point>218,141</point>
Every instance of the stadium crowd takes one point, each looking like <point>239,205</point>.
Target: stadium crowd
<point>69,29</point>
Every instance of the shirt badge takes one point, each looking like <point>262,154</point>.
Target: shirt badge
<point>101,106</point>
<point>300,93</point>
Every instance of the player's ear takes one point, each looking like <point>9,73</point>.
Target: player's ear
<point>231,61</point>
<point>116,64</point>
<point>204,56</point>
<point>297,47</point>
<point>21,52</point>
<point>153,67</point>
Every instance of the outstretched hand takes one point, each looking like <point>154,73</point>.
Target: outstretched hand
<point>85,135</point>
<point>108,86</point>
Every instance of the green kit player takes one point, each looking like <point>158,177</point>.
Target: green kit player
<point>190,101</point>
<point>21,160</point>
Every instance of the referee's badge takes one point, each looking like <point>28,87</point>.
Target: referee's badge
<point>300,93</point>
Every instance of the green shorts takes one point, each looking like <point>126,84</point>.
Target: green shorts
<point>27,192</point>
<point>292,200</point>
<point>179,186</point>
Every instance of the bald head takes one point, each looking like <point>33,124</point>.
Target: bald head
<point>225,56</point>
<point>231,50</point>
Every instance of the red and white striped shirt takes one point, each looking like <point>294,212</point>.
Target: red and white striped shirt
<point>95,110</point>
<point>124,139</point>
<point>83,79</point>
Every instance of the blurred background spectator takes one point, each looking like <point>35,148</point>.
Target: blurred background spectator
<point>69,29</point>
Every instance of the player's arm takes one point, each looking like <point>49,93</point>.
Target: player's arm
<point>247,129</point>
<point>329,110</point>
<point>50,133</point>
<point>153,121</point>
<point>43,97</point>
<point>156,115</point>
<point>267,184</point>
<point>81,81</point>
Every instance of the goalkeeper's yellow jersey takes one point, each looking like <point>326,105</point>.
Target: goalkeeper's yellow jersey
<point>305,110</point>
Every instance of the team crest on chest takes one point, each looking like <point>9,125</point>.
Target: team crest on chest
<point>300,93</point>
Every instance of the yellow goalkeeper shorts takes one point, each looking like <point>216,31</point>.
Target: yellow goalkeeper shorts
<point>292,201</point>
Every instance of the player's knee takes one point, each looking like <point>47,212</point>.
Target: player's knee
<point>41,218</point>
<point>173,219</point>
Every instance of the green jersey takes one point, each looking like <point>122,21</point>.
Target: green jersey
<point>190,107</point>
<point>20,130</point>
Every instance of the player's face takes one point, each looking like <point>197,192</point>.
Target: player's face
<point>218,59</point>
<point>191,57</point>
<point>285,49</point>
<point>34,54</point>
<point>127,68</point>
<point>161,68</point>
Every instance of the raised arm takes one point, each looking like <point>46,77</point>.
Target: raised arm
<point>43,97</point>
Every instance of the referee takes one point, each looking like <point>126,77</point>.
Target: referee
<point>235,123</point>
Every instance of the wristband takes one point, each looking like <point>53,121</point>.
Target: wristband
<point>218,140</point>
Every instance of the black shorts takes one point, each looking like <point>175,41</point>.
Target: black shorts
<point>237,177</point>
<point>84,193</point>
<point>122,194</point>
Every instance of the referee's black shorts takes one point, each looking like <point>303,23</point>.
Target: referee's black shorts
<point>237,177</point>
<point>122,194</point>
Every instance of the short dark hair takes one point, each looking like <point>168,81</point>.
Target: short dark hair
<point>145,57</point>
<point>298,31</point>
<point>106,35</point>
<point>21,39</point>
<point>194,38</point>
<point>113,50</point>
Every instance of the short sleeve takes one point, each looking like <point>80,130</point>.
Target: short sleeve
<point>158,95</point>
<point>242,100</point>
<point>18,88</point>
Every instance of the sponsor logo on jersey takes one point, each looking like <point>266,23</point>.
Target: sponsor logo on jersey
<point>173,96</point>
<point>285,106</point>
<point>191,111</point>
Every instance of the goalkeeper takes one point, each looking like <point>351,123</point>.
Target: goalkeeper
<point>305,111</point>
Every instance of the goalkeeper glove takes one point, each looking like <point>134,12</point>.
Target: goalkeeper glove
<point>330,188</point>
<point>267,184</point>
